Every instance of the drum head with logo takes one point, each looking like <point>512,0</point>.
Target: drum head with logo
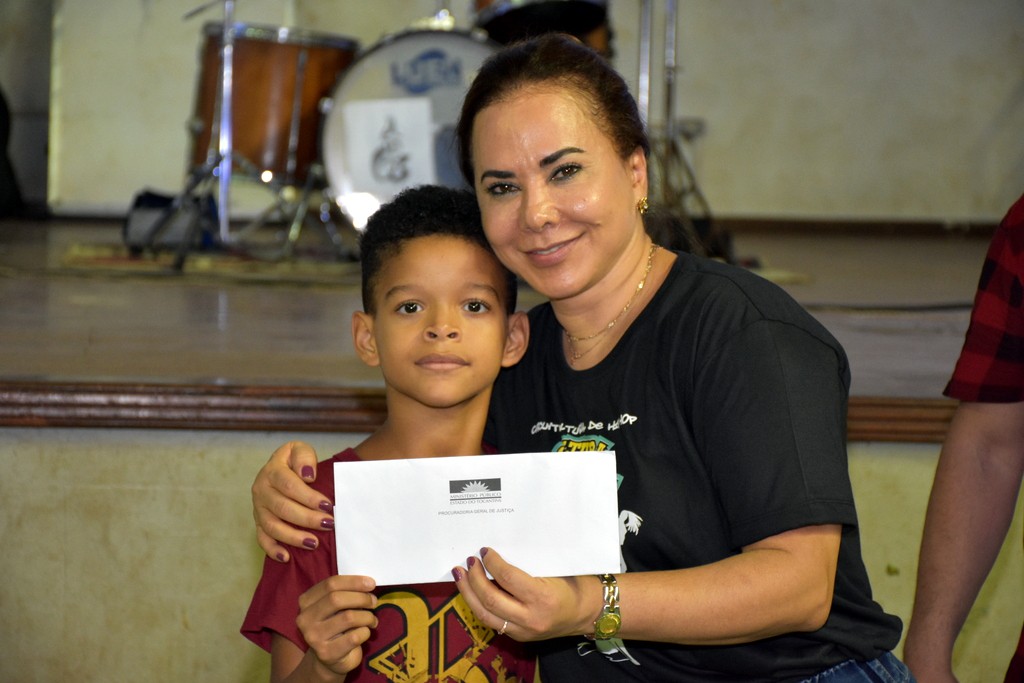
<point>391,120</point>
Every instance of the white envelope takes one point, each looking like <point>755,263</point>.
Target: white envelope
<point>412,521</point>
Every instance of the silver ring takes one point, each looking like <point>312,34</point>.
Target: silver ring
<point>504,626</point>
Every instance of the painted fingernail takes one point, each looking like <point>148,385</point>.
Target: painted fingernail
<point>325,505</point>
<point>470,561</point>
<point>327,524</point>
<point>307,472</point>
<point>457,574</point>
<point>309,543</point>
<point>280,557</point>
<point>483,551</point>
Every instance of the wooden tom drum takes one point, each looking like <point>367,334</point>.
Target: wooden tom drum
<point>280,75</point>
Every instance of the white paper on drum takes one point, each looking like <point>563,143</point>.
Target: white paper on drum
<point>389,145</point>
<point>436,65</point>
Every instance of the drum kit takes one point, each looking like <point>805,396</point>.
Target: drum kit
<point>333,131</point>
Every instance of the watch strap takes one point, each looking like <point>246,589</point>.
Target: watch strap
<point>607,624</point>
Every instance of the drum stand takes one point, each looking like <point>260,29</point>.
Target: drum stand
<point>218,167</point>
<point>296,205</point>
<point>678,190</point>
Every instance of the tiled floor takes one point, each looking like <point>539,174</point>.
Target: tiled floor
<point>898,304</point>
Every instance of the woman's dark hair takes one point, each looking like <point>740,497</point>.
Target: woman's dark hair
<point>561,60</point>
<point>423,211</point>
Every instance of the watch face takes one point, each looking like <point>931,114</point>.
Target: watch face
<point>607,625</point>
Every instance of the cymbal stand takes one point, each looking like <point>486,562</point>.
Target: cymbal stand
<point>643,97</point>
<point>225,147</point>
<point>677,187</point>
<point>218,164</point>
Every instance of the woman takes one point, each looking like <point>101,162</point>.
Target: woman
<point>724,401</point>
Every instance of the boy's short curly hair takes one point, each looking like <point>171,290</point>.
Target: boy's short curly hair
<point>422,211</point>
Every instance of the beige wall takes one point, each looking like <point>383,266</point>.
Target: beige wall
<point>891,483</point>
<point>814,108</point>
<point>129,555</point>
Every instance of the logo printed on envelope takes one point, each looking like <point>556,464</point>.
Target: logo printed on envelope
<point>474,491</point>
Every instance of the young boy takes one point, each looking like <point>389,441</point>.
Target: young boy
<point>439,320</point>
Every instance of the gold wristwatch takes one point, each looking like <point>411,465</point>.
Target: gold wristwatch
<point>609,621</point>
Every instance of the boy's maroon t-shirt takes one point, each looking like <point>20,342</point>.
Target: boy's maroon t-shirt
<point>426,631</point>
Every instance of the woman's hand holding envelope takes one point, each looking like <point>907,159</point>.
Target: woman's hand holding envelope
<point>284,503</point>
<point>525,607</point>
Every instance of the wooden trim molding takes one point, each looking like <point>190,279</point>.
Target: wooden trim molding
<point>910,420</point>
<point>175,406</point>
<point>337,409</point>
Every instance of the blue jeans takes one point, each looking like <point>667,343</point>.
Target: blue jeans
<point>885,669</point>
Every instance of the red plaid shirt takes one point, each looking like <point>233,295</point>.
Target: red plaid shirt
<point>991,364</point>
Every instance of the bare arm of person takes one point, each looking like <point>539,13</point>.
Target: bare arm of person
<point>972,502</point>
<point>789,577</point>
<point>335,618</point>
<point>283,502</point>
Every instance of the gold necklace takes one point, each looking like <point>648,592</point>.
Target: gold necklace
<point>575,355</point>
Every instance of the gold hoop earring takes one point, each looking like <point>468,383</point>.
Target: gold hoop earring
<point>642,205</point>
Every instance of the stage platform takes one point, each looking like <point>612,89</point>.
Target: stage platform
<point>269,347</point>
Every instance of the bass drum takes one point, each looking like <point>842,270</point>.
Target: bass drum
<point>390,122</point>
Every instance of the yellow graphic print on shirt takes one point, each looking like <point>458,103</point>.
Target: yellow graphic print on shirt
<point>587,443</point>
<point>441,646</point>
